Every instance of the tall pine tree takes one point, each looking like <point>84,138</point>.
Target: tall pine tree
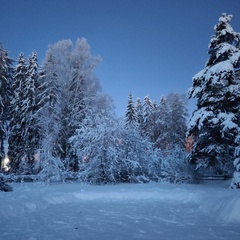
<point>5,96</point>
<point>139,114</point>
<point>147,112</point>
<point>16,141</point>
<point>130,116</point>
<point>215,122</point>
<point>162,138</point>
<point>29,109</point>
<point>177,119</point>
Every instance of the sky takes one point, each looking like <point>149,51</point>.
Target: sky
<point>148,47</point>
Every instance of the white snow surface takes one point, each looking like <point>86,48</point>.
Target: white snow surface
<point>35,211</point>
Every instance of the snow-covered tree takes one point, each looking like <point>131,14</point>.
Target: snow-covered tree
<point>147,108</point>
<point>175,168</point>
<point>109,152</point>
<point>79,97</point>
<point>236,175</point>
<point>142,162</point>
<point>96,151</point>
<point>16,141</point>
<point>224,43</point>
<point>49,88</point>
<point>29,107</point>
<point>49,118</point>
<point>130,116</point>
<point>147,112</point>
<point>82,85</point>
<point>50,167</point>
<point>49,98</point>
<point>5,96</point>
<point>161,134</point>
<point>177,119</point>
<point>139,114</point>
<point>215,122</point>
<point>154,130</point>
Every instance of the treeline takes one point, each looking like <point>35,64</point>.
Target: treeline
<point>56,123</point>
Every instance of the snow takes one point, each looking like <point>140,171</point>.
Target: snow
<point>219,71</point>
<point>35,211</point>
<point>200,115</point>
<point>226,48</point>
<point>225,19</point>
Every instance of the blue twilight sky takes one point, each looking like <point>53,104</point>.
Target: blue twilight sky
<point>148,47</point>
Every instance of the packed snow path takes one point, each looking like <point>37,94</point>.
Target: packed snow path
<point>34,211</point>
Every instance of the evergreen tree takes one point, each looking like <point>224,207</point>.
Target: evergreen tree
<point>139,114</point>
<point>236,175</point>
<point>224,43</point>
<point>29,109</point>
<point>130,116</point>
<point>154,130</point>
<point>147,111</point>
<point>215,122</point>
<point>16,141</point>
<point>162,138</point>
<point>177,120</point>
<point>5,96</point>
<point>49,87</point>
<point>49,114</point>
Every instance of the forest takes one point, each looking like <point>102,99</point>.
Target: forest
<point>57,124</point>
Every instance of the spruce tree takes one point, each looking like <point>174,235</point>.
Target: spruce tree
<point>29,109</point>
<point>48,114</point>
<point>130,116</point>
<point>177,120</point>
<point>16,141</point>
<point>5,96</point>
<point>162,137</point>
<point>215,122</point>
<point>139,114</point>
<point>147,112</point>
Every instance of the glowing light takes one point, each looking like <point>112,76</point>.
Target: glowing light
<point>85,159</point>
<point>5,163</point>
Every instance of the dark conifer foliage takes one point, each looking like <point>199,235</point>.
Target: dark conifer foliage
<point>139,115</point>
<point>215,122</point>
<point>131,116</point>
<point>6,74</point>
<point>16,140</point>
<point>24,140</point>
<point>164,124</point>
<point>177,116</point>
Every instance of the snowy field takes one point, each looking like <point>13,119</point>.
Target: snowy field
<point>161,211</point>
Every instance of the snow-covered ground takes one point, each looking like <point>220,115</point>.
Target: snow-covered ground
<point>158,211</point>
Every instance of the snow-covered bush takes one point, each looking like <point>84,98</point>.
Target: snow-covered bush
<point>49,167</point>
<point>110,152</point>
<point>175,167</point>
